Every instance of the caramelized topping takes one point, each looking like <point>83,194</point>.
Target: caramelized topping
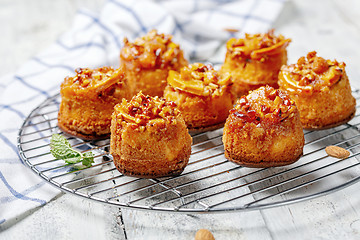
<point>312,73</point>
<point>257,46</point>
<point>199,79</point>
<point>151,50</point>
<point>98,80</point>
<point>265,105</point>
<point>143,109</point>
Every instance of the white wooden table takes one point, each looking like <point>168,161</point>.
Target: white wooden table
<point>330,27</point>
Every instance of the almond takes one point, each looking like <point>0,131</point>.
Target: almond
<point>231,30</point>
<point>338,152</point>
<point>204,234</point>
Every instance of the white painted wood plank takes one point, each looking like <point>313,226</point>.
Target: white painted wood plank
<point>235,225</point>
<point>68,217</point>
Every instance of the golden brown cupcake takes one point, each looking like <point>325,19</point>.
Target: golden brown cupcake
<point>147,62</point>
<point>203,97</point>
<point>321,91</point>
<point>149,138</point>
<point>88,99</point>
<point>264,130</point>
<point>255,60</point>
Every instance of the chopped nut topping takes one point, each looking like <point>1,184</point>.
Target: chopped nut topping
<point>143,109</point>
<point>151,50</point>
<point>313,73</point>
<point>264,105</point>
<point>98,80</point>
<point>85,76</point>
<point>199,79</point>
<point>257,46</point>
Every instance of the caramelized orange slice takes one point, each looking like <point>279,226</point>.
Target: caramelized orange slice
<point>295,84</point>
<point>192,86</point>
<point>105,83</point>
<point>269,51</point>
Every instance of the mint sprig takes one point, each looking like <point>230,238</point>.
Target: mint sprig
<point>60,148</point>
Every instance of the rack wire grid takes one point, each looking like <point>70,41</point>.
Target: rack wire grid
<point>209,183</point>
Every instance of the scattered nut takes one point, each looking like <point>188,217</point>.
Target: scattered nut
<point>231,30</point>
<point>204,234</point>
<point>338,152</point>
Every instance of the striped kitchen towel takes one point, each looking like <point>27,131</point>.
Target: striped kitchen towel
<point>201,27</point>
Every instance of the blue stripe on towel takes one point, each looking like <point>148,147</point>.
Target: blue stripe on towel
<point>154,26</point>
<point>30,86</point>
<point>238,15</point>
<point>10,108</point>
<point>26,100</point>
<point>100,24</point>
<point>10,144</point>
<point>76,47</point>
<point>38,60</point>
<point>8,199</point>
<point>129,10</point>
<point>19,195</point>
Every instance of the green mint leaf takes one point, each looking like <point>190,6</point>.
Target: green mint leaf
<point>73,159</point>
<point>88,159</point>
<point>60,148</point>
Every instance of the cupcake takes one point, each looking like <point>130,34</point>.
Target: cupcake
<point>88,99</point>
<point>149,138</point>
<point>255,60</point>
<point>203,97</point>
<point>321,91</point>
<point>264,130</point>
<point>148,60</point>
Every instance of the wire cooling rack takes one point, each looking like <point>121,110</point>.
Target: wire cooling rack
<point>209,183</point>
